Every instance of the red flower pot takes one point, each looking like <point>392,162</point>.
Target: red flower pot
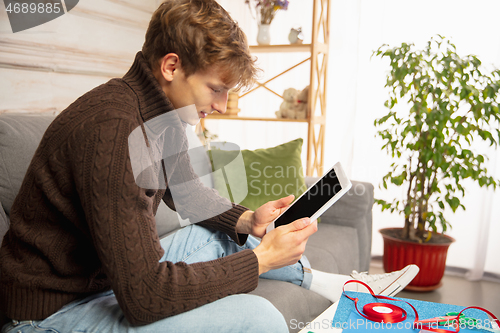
<point>430,258</point>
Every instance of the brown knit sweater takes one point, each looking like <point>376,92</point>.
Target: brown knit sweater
<point>80,224</point>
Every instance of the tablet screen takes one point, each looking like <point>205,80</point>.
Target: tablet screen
<point>315,198</point>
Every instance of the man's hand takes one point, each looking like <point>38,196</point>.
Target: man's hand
<point>284,245</point>
<point>255,223</point>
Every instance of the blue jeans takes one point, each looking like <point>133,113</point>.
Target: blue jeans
<point>101,313</point>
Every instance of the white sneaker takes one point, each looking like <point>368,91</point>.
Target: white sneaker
<point>388,284</point>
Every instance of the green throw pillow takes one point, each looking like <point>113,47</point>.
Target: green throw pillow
<point>271,173</point>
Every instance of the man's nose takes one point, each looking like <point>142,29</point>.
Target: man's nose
<point>220,103</point>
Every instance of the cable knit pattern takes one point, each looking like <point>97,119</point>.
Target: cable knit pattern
<point>80,224</point>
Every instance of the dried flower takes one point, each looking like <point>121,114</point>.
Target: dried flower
<point>266,9</point>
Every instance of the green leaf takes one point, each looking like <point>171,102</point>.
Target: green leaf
<point>454,203</point>
<point>398,180</point>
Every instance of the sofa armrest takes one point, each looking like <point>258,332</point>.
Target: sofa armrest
<point>4,226</point>
<point>4,223</point>
<point>353,210</point>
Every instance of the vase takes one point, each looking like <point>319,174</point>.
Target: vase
<point>430,258</point>
<point>264,34</point>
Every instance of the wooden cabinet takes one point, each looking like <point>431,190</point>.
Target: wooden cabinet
<point>318,60</point>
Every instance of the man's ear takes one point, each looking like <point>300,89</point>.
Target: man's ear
<point>168,65</point>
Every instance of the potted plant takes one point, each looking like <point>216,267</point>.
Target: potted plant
<point>439,104</point>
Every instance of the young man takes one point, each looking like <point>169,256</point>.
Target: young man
<point>82,253</point>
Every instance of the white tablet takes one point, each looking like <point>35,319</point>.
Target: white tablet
<point>317,199</point>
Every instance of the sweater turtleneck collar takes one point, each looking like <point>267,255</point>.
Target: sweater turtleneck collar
<point>152,99</point>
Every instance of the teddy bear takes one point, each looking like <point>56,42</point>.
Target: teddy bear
<point>301,108</point>
<point>287,107</point>
<point>294,105</point>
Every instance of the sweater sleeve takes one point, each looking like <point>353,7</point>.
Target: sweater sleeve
<point>121,220</point>
<point>193,200</point>
<point>187,195</point>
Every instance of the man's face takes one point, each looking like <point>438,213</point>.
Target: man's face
<point>205,90</point>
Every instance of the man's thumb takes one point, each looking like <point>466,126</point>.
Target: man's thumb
<point>300,224</point>
<point>283,202</point>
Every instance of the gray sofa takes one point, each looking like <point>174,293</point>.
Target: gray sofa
<point>342,243</point>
